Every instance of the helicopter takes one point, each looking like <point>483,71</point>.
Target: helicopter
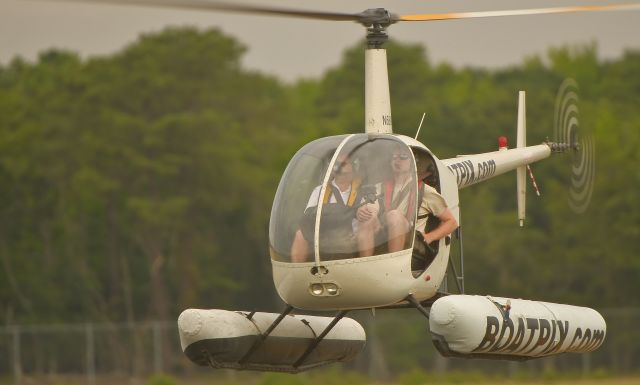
<point>337,275</point>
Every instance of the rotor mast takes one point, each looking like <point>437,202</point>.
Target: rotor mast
<point>377,97</point>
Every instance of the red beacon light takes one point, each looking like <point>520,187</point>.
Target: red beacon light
<point>502,143</point>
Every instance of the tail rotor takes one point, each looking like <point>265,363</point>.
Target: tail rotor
<point>568,136</point>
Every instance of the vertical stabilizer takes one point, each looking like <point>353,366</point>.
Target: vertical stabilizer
<point>521,142</point>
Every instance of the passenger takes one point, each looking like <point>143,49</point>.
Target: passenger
<point>432,203</point>
<point>398,200</point>
<point>340,195</point>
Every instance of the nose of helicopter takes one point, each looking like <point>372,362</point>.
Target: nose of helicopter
<point>350,284</point>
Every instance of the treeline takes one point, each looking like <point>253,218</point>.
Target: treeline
<point>136,185</point>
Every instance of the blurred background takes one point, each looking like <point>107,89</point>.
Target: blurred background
<point>137,182</point>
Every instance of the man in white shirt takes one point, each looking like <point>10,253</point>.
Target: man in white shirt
<point>343,190</point>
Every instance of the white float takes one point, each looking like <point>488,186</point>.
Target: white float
<point>494,327</point>
<point>223,339</point>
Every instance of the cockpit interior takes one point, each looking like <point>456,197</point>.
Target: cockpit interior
<point>349,196</point>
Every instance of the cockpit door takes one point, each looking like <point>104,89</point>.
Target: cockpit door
<point>435,175</point>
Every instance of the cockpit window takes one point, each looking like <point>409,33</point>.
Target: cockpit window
<point>345,197</point>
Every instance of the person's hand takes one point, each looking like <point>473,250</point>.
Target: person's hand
<point>367,212</point>
<point>431,251</point>
<point>363,214</point>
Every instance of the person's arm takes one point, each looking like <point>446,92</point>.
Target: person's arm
<point>447,224</point>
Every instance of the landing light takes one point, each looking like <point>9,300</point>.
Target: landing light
<point>324,289</point>
<point>332,289</point>
<point>317,289</point>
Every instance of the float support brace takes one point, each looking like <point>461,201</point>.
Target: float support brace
<point>413,301</point>
<point>264,335</point>
<point>319,338</point>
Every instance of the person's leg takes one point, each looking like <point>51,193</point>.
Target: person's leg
<point>366,236</point>
<point>397,228</point>
<point>299,248</point>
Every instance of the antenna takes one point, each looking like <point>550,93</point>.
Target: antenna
<point>420,126</point>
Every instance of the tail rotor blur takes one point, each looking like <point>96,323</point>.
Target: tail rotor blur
<point>567,131</point>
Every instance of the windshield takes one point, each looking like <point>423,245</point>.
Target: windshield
<point>344,197</point>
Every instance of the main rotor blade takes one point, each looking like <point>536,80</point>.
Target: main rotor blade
<point>239,8</point>
<point>516,12</point>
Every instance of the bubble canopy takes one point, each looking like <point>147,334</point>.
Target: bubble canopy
<point>315,215</point>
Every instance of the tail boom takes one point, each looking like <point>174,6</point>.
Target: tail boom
<point>476,168</point>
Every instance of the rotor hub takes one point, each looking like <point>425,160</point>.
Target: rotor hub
<point>563,147</point>
<point>376,20</point>
<point>377,16</point>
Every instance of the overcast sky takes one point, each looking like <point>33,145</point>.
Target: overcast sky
<point>293,48</point>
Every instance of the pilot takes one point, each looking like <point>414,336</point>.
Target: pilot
<point>340,195</point>
<point>393,213</point>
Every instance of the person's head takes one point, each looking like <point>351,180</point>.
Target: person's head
<point>425,168</point>
<point>401,160</point>
<point>343,167</point>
